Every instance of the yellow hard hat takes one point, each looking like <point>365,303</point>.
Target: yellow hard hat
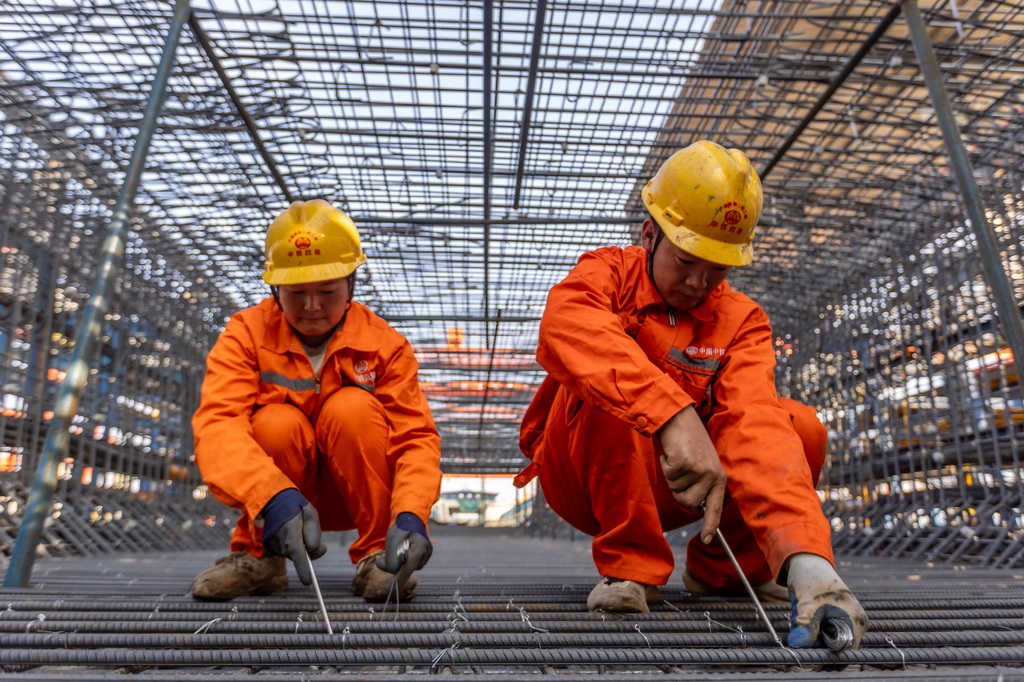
<point>311,242</point>
<point>707,200</point>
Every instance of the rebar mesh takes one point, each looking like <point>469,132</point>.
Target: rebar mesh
<point>520,614</point>
<point>480,148</point>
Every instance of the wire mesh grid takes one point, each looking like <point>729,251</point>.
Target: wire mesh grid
<point>480,148</point>
<point>521,613</point>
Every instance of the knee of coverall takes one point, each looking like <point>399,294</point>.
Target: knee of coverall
<point>598,474</point>
<point>558,474</point>
<point>710,563</point>
<point>352,420</point>
<point>352,435</point>
<point>285,433</point>
<point>813,434</point>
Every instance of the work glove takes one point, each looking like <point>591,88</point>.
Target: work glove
<point>407,548</point>
<point>692,468</point>
<point>291,528</point>
<point>824,609</point>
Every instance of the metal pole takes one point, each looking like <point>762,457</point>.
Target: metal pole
<point>988,246</point>
<point>531,86</point>
<point>41,497</point>
<point>488,158</point>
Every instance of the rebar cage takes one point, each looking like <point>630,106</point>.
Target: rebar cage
<point>481,147</point>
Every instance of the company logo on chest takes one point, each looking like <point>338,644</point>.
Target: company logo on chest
<point>363,373</point>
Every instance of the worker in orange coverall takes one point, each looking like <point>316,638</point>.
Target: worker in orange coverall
<point>660,396</point>
<point>312,418</point>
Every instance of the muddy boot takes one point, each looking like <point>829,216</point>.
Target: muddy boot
<point>372,583</point>
<point>240,574</point>
<point>769,591</point>
<point>622,596</point>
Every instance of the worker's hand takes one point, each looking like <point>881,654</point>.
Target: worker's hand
<point>291,528</point>
<point>407,548</point>
<point>825,612</point>
<point>692,468</point>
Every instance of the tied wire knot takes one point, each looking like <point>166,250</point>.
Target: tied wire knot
<point>437,659</point>
<point>636,627</point>
<point>888,640</point>
<point>205,628</point>
<point>525,617</point>
<point>62,632</point>
<point>38,621</point>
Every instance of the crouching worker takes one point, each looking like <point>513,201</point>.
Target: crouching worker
<point>312,418</point>
<point>660,396</point>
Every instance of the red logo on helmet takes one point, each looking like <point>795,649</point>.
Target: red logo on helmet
<point>734,214</point>
<point>303,239</point>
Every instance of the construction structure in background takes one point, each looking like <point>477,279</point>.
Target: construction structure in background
<point>481,147</point>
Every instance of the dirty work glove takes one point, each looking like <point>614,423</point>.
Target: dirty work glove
<point>823,606</point>
<point>406,547</point>
<point>291,528</point>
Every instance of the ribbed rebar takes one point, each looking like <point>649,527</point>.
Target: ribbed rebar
<point>356,639</point>
<point>311,626</point>
<point>639,656</point>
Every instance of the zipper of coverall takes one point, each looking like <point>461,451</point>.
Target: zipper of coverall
<point>327,356</point>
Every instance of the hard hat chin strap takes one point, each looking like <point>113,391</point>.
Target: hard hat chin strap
<point>650,266</point>
<point>658,236</point>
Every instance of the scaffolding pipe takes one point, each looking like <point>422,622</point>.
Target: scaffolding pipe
<point>54,450</point>
<point>960,162</point>
<point>488,159</point>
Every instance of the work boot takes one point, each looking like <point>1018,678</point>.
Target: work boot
<point>622,596</point>
<point>240,574</point>
<point>372,583</point>
<point>769,591</point>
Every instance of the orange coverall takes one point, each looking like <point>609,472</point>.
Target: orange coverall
<point>357,441</point>
<point>620,365</point>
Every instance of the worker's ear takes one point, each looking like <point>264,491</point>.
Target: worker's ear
<point>648,234</point>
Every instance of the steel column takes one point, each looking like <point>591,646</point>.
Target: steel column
<point>40,499</point>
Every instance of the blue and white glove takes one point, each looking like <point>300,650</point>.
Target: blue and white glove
<point>825,613</point>
<point>291,528</point>
<point>407,547</point>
